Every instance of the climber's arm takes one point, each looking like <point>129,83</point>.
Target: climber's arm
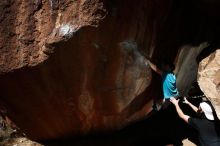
<point>153,67</point>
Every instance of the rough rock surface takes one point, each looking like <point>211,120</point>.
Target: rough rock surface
<point>209,78</point>
<point>187,67</point>
<point>32,24</point>
<point>67,76</point>
<point>21,141</point>
<point>76,66</point>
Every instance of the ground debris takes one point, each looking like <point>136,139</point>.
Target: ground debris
<point>21,141</point>
<point>12,136</point>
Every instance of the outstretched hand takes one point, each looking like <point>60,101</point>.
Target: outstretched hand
<point>174,101</point>
<point>185,101</point>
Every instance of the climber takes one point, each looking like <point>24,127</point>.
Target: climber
<point>168,81</point>
<point>207,123</point>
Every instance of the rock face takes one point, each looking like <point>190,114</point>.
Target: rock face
<point>32,24</point>
<point>187,67</point>
<point>70,77</point>
<point>72,67</point>
<point>209,78</point>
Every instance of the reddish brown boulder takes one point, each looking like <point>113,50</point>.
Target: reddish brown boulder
<point>32,24</point>
<point>66,76</point>
<point>72,67</point>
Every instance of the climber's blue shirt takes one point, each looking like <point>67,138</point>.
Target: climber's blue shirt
<point>169,85</point>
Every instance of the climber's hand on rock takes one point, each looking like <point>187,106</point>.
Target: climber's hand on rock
<point>147,61</point>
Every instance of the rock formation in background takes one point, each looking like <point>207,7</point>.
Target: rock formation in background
<point>187,67</point>
<point>209,78</point>
<point>72,67</point>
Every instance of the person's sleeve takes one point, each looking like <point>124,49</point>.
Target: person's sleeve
<point>192,122</point>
